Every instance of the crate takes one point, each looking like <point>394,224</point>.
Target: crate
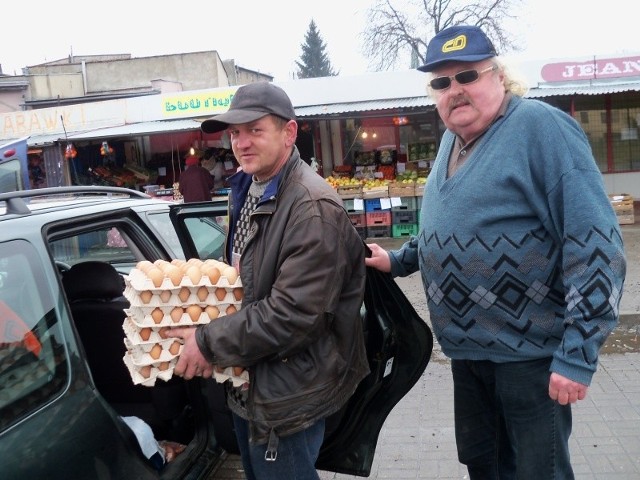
<point>378,218</point>
<point>350,206</point>
<point>350,191</point>
<point>397,189</point>
<point>379,232</point>
<point>375,192</point>
<point>373,205</point>
<point>404,217</point>
<point>406,203</point>
<point>405,230</point>
<point>623,206</point>
<point>358,219</point>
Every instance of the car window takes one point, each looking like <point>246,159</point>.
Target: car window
<point>162,225</point>
<point>107,245</point>
<point>208,236</point>
<point>33,361</point>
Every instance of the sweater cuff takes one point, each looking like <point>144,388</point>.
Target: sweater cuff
<point>202,340</point>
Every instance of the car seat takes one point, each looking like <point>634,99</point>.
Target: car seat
<point>95,293</point>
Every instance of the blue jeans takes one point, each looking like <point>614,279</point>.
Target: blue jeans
<point>296,459</point>
<point>507,426</point>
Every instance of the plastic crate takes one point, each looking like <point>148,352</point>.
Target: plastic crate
<point>405,230</point>
<point>406,203</point>
<point>378,218</point>
<point>373,205</point>
<point>404,217</point>
<point>378,232</point>
<point>358,219</point>
<point>349,206</point>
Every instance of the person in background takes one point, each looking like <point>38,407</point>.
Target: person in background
<point>521,258</point>
<point>301,262</point>
<point>195,182</point>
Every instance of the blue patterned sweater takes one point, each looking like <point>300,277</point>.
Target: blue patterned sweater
<point>520,251</point>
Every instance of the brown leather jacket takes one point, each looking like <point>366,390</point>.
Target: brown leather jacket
<point>299,331</point>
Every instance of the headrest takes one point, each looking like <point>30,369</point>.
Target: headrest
<point>96,280</point>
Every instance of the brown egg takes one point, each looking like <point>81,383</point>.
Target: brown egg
<point>160,263</point>
<point>195,261</point>
<point>184,293</point>
<point>238,293</point>
<point>156,276</point>
<point>221,293</point>
<point>203,293</point>
<point>165,295</point>
<point>144,265</point>
<point>213,273</point>
<point>145,333</point>
<point>231,309</point>
<point>194,274</point>
<point>212,311</point>
<point>174,274</point>
<point>237,371</point>
<point>218,369</point>
<point>174,349</point>
<point>194,312</point>
<point>146,296</point>
<point>177,262</point>
<point>155,352</point>
<point>145,371</point>
<point>163,332</point>
<point>231,273</point>
<point>163,366</point>
<point>176,314</point>
<point>157,315</point>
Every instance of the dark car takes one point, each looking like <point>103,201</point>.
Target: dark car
<point>64,388</point>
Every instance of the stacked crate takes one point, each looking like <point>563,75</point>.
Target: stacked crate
<point>355,210</point>
<point>404,210</point>
<point>623,206</point>
<point>378,216</point>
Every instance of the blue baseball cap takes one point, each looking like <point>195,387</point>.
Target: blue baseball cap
<point>462,43</point>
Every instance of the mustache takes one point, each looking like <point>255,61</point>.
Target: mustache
<point>458,102</point>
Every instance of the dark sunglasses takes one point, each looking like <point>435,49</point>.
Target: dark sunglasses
<point>463,78</point>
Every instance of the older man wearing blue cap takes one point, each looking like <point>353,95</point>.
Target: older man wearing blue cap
<point>521,258</point>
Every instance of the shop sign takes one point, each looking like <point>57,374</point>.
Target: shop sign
<point>192,104</point>
<point>592,69</point>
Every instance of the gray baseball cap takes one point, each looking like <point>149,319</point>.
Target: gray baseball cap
<point>249,103</point>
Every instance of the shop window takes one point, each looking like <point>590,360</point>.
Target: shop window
<point>588,112</point>
<point>625,130</point>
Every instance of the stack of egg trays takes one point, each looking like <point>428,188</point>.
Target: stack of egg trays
<point>150,354</point>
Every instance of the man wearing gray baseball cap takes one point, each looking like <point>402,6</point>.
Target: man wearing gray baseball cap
<point>301,264</point>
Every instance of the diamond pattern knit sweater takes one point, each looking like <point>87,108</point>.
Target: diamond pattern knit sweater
<point>520,251</point>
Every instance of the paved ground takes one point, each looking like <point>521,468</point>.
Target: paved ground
<point>417,440</point>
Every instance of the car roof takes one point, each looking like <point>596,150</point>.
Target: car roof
<point>83,200</point>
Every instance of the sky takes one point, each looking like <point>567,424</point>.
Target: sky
<point>267,36</point>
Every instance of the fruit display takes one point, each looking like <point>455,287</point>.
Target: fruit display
<point>179,293</point>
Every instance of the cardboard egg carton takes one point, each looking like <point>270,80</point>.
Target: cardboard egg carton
<point>148,374</point>
<point>139,281</point>
<point>137,334</point>
<point>148,353</point>
<point>201,295</point>
<point>178,316</point>
<point>228,374</point>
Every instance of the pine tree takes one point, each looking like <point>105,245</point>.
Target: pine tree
<point>314,61</point>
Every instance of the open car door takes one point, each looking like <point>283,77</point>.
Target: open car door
<point>399,344</point>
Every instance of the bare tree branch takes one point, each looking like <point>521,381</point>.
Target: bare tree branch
<point>397,34</point>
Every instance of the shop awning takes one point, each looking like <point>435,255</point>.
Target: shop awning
<point>543,91</point>
<point>136,129</point>
<point>336,109</point>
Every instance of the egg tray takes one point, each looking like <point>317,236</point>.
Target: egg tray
<point>141,353</point>
<point>142,316</point>
<point>139,281</point>
<point>227,374</point>
<point>172,297</point>
<point>159,370</point>
<point>134,332</point>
